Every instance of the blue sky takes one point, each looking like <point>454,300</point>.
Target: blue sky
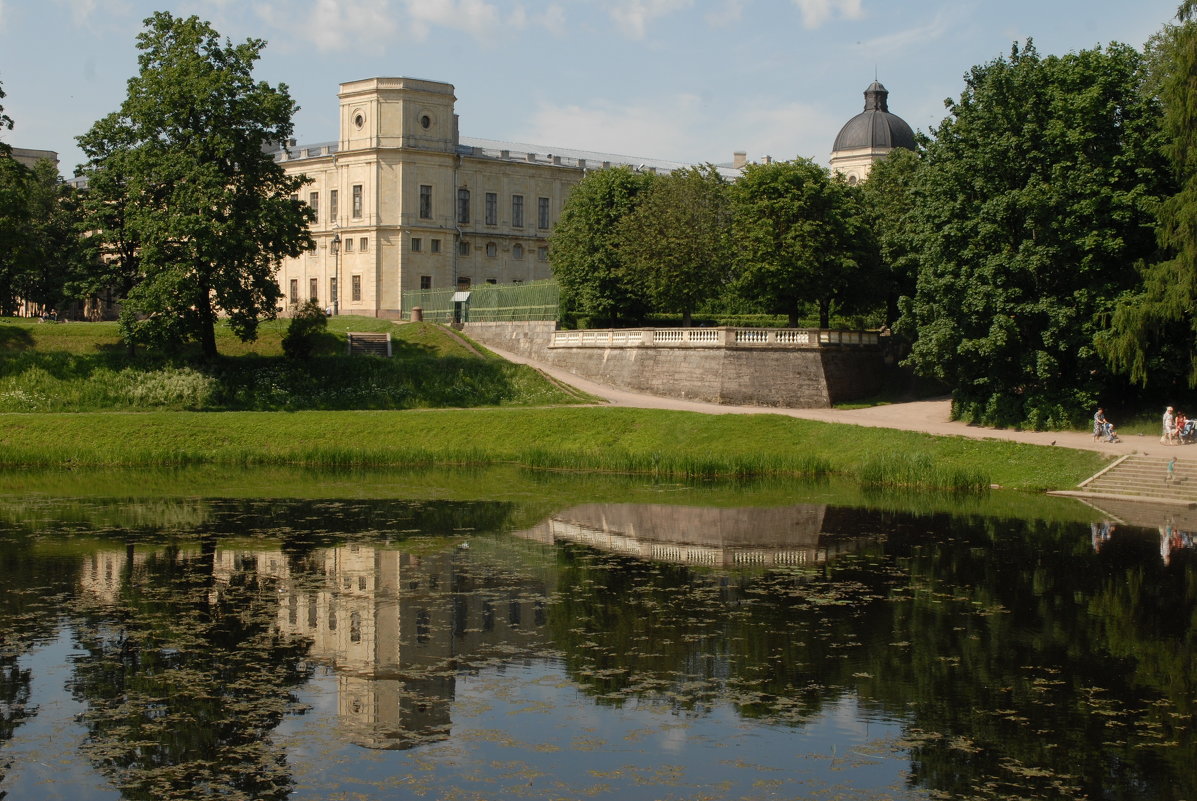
<point>683,80</point>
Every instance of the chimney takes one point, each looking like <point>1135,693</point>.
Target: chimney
<point>739,159</point>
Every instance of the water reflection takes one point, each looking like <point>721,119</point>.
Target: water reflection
<point>964,657</point>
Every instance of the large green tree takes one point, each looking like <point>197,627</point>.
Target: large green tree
<point>584,250</point>
<point>209,209</point>
<point>677,240</point>
<point>1153,332</point>
<point>802,238</point>
<point>1034,199</point>
<point>889,201</point>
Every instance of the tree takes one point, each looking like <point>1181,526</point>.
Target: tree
<point>802,238</point>
<point>1035,196</point>
<point>676,239</point>
<point>55,252</point>
<point>183,169</point>
<point>889,202</point>
<point>1153,330</point>
<point>584,247</point>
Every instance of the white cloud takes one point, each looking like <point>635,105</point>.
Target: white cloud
<point>632,17</point>
<point>83,12</point>
<point>685,128</point>
<point>728,12</point>
<point>475,17</point>
<point>944,21</point>
<point>333,24</point>
<point>816,12</point>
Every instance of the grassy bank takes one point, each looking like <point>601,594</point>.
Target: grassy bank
<point>651,442</point>
<point>84,367</point>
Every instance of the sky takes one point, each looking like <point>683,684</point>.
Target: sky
<point>680,80</point>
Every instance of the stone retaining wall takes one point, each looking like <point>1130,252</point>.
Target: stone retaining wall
<point>792,376</point>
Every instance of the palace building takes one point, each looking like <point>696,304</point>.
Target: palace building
<point>869,136</point>
<point>403,202</point>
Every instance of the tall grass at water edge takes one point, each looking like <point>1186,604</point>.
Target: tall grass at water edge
<point>585,439</point>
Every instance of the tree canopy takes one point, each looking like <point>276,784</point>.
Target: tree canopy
<point>1035,196</point>
<point>802,237</point>
<point>182,176</point>
<point>677,240</point>
<point>1153,333</point>
<point>584,249</point>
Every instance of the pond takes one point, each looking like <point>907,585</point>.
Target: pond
<point>542,646</point>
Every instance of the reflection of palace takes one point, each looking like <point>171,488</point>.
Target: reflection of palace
<point>393,625</point>
<point>744,537</point>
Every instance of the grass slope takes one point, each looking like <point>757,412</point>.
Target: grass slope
<point>83,367</point>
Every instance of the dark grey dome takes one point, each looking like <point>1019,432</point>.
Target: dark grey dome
<point>875,127</point>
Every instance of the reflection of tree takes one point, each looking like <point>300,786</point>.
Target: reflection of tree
<point>31,589</point>
<point>770,643</point>
<point>185,680</point>
<point>1023,663</point>
<point>1033,667</point>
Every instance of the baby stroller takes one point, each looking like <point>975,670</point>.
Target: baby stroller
<point>1109,434</point>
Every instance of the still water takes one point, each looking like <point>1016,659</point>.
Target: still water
<point>370,649</point>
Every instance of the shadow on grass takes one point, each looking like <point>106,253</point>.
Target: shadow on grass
<point>14,339</point>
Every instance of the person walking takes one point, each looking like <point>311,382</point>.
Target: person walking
<point>1169,426</point>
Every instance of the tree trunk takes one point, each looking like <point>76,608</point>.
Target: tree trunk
<point>207,323</point>
<point>687,319</point>
<point>825,314</point>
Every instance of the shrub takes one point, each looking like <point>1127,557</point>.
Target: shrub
<point>307,324</point>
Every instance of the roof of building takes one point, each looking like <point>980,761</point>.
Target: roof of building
<point>875,127</point>
<point>534,154</point>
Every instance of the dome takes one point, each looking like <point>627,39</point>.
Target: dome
<point>875,127</point>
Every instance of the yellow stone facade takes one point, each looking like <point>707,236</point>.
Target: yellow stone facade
<point>412,206</point>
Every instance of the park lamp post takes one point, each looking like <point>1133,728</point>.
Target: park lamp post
<point>336,249</point>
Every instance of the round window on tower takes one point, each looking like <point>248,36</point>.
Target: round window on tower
<point>425,121</point>
<point>359,119</point>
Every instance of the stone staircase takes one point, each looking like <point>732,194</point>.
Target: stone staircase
<point>1144,477</point>
<point>369,343</point>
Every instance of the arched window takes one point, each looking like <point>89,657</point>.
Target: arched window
<point>517,251</point>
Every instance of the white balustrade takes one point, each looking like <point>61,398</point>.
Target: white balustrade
<point>711,337</point>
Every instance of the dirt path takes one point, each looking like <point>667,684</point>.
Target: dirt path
<point>930,417</point>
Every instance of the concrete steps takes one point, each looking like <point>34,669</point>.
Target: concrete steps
<point>1146,477</point>
<point>368,343</point>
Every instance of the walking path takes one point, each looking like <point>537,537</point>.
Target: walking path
<point>929,416</point>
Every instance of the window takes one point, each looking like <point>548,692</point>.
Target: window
<point>463,248</point>
<point>314,202</point>
<point>517,251</point>
<point>332,205</point>
<point>348,244</point>
<point>542,254</point>
<point>492,280</point>
<point>492,208</point>
<point>425,282</point>
<point>492,249</point>
<point>542,212</point>
<point>295,290</point>
<point>295,196</point>
<point>463,283</point>
<point>517,211</point>
<point>357,201</point>
<point>463,205</point>
<point>314,290</point>
<point>363,244</point>
<point>357,287</point>
<point>435,245</point>
<point>425,202</point>
<point>417,244</point>
<point>332,288</point>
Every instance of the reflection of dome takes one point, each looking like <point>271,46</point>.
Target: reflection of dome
<point>875,127</point>
<point>869,135</point>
